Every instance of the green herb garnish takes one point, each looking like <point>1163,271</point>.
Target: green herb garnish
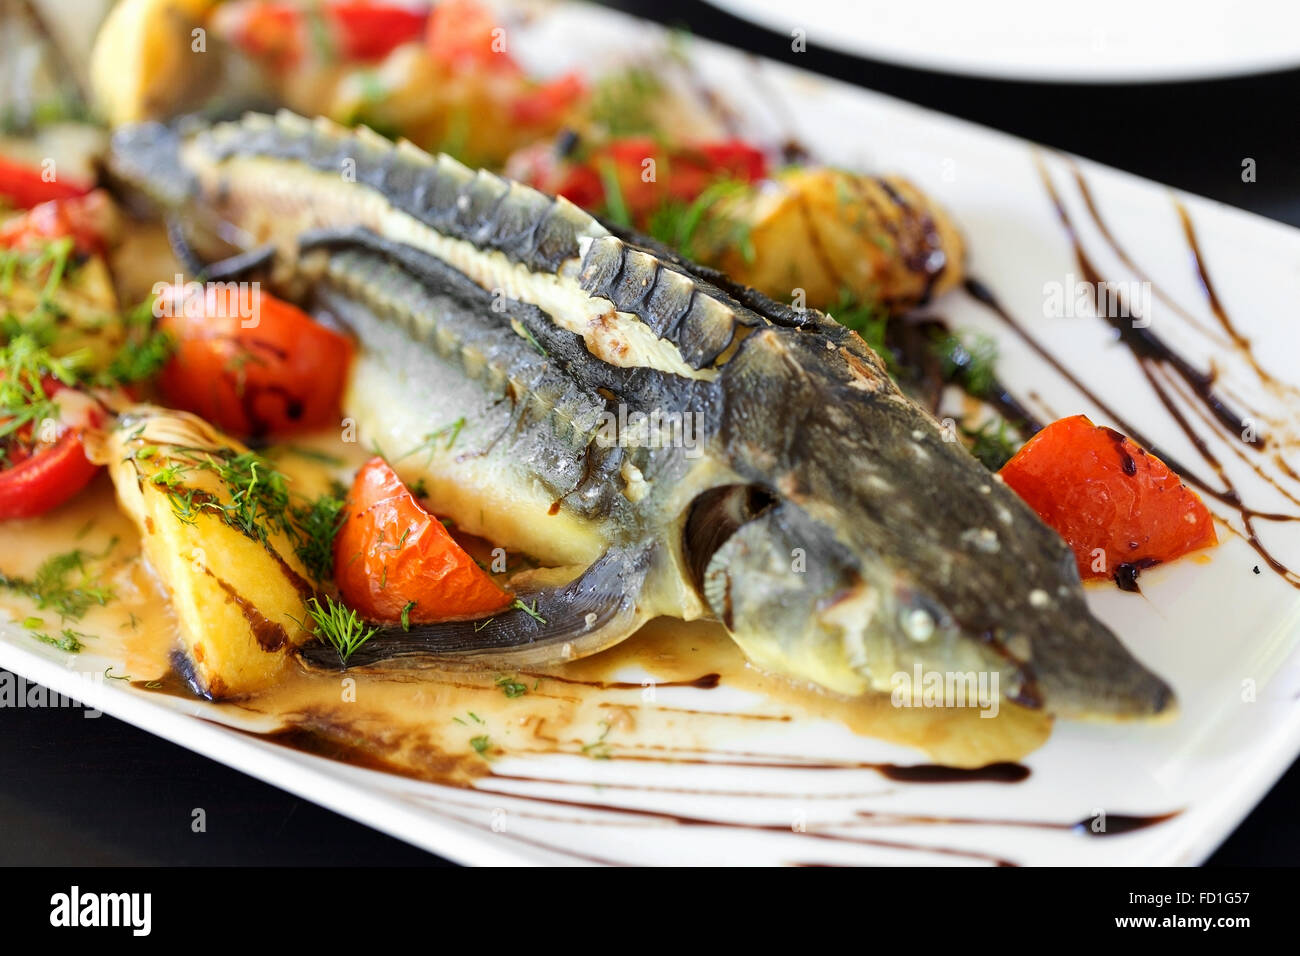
<point>689,226</point>
<point>432,439</point>
<point>970,361</point>
<point>623,102</point>
<point>143,354</point>
<point>64,583</point>
<point>339,626</point>
<point>615,206</point>
<point>869,320</point>
<point>598,749</point>
<point>530,611</point>
<point>317,524</point>
<point>991,443</point>
<point>511,688</point>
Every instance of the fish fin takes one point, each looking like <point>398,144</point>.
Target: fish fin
<point>549,626</point>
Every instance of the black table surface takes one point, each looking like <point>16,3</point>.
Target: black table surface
<point>97,791</point>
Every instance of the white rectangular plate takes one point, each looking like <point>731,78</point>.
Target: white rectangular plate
<point>1224,636</point>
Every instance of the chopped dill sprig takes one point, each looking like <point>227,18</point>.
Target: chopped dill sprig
<point>510,687</point>
<point>26,368</point>
<point>688,226</point>
<point>55,255</point>
<point>869,320</point>
<point>623,102</point>
<point>991,443</point>
<point>598,749</point>
<point>259,495</point>
<point>432,439</point>
<point>317,523</point>
<point>64,583</point>
<point>144,352</point>
<point>523,330</point>
<point>481,743</point>
<point>339,626</point>
<point>69,640</point>
<point>530,611</point>
<point>615,206</point>
<point>406,615</point>
<point>970,361</point>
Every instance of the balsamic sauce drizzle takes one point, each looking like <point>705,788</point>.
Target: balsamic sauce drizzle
<point>1141,341</point>
<point>1094,213</point>
<point>1242,344</point>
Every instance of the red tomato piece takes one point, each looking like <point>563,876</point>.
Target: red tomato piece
<point>38,476</point>
<point>679,172</point>
<point>369,31</point>
<point>250,363</point>
<point>272,31</point>
<point>25,186</point>
<point>46,479</point>
<point>86,219</point>
<point>392,554</point>
<point>463,34</point>
<point>543,104</point>
<point>1103,492</point>
<point>280,32</point>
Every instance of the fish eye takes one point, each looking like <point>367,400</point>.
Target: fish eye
<point>919,616</point>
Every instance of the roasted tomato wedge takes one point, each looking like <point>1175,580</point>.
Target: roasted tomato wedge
<point>1114,503</point>
<point>391,555</point>
<point>88,220</point>
<point>280,32</point>
<point>250,363</point>
<point>463,34</point>
<point>621,165</point>
<point>369,30</point>
<point>26,186</point>
<point>37,476</point>
<point>542,104</point>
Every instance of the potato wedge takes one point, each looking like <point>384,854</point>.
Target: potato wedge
<point>239,597</point>
<point>833,233</point>
<point>145,59</point>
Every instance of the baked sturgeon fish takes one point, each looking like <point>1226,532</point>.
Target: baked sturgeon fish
<point>682,445</point>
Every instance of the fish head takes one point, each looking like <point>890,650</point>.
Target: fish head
<point>863,550</point>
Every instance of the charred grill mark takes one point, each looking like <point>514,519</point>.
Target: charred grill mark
<point>925,254</point>
<point>270,635</point>
<point>1127,463</point>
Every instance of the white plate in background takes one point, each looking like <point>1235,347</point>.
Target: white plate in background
<point>1100,41</point>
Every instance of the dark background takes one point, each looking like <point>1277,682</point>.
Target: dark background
<point>78,791</point>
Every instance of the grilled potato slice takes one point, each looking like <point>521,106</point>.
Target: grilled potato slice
<point>239,595</point>
<point>144,61</point>
<point>832,233</point>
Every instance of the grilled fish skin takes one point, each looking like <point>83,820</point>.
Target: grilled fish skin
<point>813,509</point>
